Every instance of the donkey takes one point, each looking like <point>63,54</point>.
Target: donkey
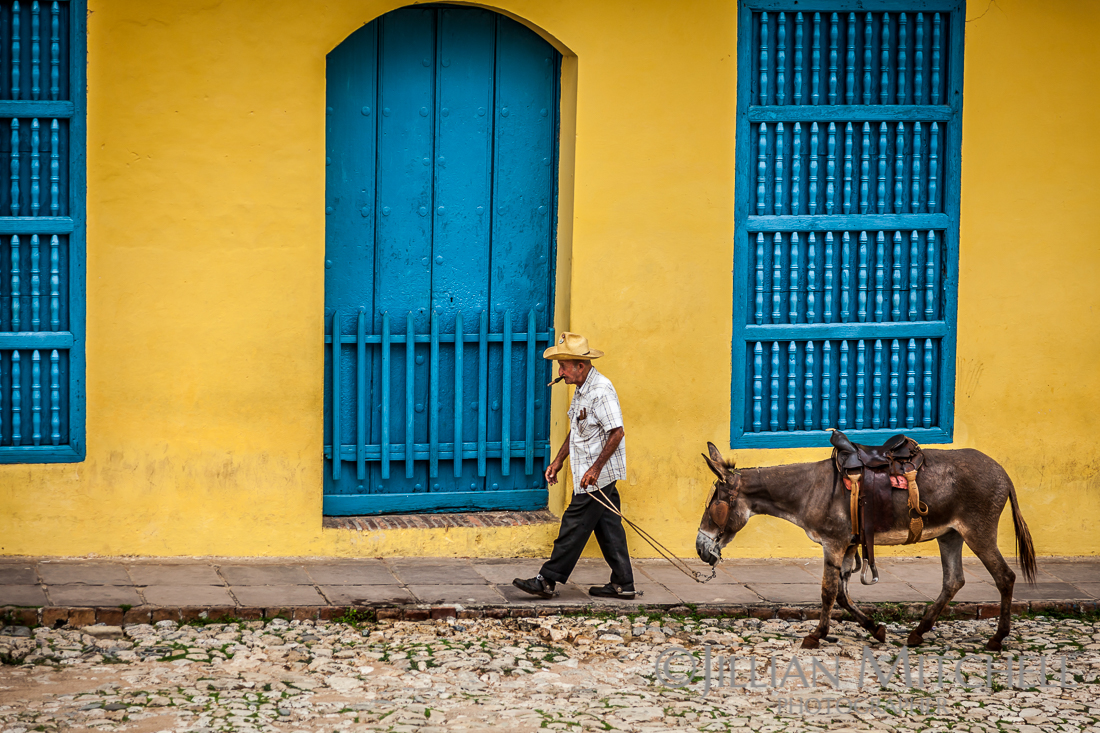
<point>965,491</point>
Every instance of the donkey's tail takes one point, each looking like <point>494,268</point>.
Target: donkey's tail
<point>1025,549</point>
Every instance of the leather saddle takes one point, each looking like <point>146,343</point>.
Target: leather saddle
<point>871,473</point>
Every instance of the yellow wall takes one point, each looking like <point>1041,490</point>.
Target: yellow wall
<point>205,276</point>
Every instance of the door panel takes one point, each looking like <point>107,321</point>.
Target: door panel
<point>463,182</point>
<point>403,241</point>
<point>522,202</point>
<point>350,180</point>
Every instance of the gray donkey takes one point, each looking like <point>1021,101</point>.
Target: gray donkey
<point>965,491</point>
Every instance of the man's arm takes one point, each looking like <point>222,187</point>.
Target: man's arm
<point>592,475</point>
<point>559,461</point>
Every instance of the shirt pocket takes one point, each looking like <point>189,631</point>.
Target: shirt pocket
<point>586,424</point>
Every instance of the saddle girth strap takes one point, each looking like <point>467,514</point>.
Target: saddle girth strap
<point>917,509</point>
<point>854,479</point>
<point>871,485</point>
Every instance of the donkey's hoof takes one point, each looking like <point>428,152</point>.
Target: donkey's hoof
<point>993,645</point>
<point>914,639</point>
<point>811,642</point>
<point>880,633</point>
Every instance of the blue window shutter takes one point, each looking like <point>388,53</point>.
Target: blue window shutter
<point>846,221</point>
<point>42,282</point>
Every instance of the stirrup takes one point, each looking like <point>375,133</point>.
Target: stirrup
<point>867,566</point>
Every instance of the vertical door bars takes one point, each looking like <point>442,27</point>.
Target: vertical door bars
<point>435,449</point>
<point>433,400</point>
<point>336,401</point>
<point>529,438</point>
<point>385,396</point>
<point>410,418</point>
<point>482,391</point>
<point>459,344</point>
<point>361,395</point>
<point>506,397</point>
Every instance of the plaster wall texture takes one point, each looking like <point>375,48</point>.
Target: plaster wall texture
<point>205,274</point>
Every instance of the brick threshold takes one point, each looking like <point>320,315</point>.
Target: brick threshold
<point>77,617</point>
<point>440,521</point>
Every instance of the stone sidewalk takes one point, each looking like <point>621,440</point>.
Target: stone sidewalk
<point>51,591</point>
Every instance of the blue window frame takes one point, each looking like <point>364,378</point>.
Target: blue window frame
<point>846,220</point>
<point>42,156</point>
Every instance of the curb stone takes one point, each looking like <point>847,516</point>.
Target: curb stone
<point>78,616</point>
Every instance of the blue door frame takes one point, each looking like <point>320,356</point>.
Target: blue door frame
<point>440,205</point>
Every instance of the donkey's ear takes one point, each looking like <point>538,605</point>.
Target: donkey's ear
<point>715,455</point>
<point>717,467</point>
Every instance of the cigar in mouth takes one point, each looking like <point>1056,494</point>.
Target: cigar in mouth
<point>551,384</point>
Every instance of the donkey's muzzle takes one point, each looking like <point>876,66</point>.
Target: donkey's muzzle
<point>708,549</point>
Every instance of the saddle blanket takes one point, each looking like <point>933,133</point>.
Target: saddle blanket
<point>898,482</point>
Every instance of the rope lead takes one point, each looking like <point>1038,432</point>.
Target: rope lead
<point>663,551</point>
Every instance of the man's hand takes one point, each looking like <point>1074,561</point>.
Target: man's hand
<point>552,472</point>
<point>591,476</point>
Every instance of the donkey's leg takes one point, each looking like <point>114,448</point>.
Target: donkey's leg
<point>951,545</point>
<point>878,631</point>
<point>985,547</point>
<point>830,586</point>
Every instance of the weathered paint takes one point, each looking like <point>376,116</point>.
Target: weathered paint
<point>205,274</point>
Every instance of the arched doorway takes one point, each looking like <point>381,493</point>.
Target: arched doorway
<point>441,155</point>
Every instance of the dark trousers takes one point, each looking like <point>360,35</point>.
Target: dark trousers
<point>584,516</point>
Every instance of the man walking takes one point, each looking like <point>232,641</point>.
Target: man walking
<point>597,458</point>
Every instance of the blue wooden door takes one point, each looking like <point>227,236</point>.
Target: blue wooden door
<point>440,202</point>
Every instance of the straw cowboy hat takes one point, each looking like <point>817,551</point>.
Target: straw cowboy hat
<point>571,346</point>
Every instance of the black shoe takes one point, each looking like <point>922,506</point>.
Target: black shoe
<point>536,586</point>
<point>613,591</point>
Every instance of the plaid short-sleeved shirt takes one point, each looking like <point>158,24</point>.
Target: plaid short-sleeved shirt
<point>593,413</point>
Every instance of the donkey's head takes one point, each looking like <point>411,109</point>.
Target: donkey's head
<point>726,512</point>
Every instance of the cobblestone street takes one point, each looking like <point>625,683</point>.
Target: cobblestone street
<point>556,672</point>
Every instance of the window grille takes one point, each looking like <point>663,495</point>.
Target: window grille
<point>42,153</point>
<point>847,218</point>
